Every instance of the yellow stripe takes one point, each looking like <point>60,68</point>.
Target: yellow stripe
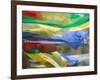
<point>81,27</point>
<point>43,59</point>
<point>41,27</point>
<point>49,27</point>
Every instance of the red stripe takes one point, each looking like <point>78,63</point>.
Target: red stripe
<point>41,47</point>
<point>35,14</point>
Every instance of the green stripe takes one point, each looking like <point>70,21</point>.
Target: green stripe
<point>76,22</point>
<point>32,51</point>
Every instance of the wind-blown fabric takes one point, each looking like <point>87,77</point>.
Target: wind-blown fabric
<point>71,21</point>
<point>74,39</point>
<point>48,38</point>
